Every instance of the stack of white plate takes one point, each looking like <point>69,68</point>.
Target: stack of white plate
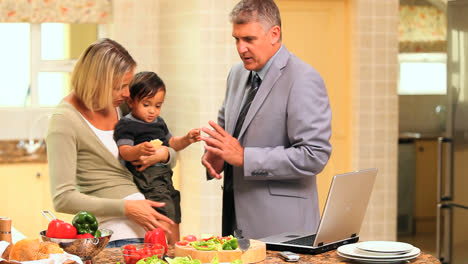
<point>379,252</point>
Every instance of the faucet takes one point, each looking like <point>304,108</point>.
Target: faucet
<point>31,145</point>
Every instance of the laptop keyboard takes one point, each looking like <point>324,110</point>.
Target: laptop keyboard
<point>303,241</point>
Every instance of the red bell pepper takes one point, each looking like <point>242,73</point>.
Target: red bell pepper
<point>60,229</point>
<point>156,236</point>
<point>85,235</point>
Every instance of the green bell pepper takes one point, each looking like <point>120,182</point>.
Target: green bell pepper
<point>230,244</point>
<point>85,222</point>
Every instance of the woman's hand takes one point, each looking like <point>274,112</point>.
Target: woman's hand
<point>143,213</point>
<point>161,156</point>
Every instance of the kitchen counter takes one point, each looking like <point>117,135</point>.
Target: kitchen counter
<point>113,255</point>
<point>11,153</point>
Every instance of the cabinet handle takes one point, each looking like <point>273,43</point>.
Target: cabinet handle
<point>38,174</point>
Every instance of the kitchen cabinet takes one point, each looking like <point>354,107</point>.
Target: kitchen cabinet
<point>425,191</point>
<point>25,194</point>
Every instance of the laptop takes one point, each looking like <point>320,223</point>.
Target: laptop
<point>341,219</point>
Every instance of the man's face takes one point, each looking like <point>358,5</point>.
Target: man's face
<point>255,47</point>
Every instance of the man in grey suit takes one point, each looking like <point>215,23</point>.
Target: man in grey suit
<point>273,131</point>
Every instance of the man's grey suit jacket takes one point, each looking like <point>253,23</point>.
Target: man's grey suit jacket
<point>285,137</point>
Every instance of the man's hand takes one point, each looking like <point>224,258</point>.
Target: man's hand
<point>213,164</point>
<point>223,145</point>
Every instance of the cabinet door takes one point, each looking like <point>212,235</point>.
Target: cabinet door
<point>26,195</point>
<point>425,195</point>
<point>22,199</point>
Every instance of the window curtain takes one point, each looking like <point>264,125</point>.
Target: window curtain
<point>422,29</point>
<point>63,11</point>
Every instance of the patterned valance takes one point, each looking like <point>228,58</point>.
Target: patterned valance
<point>422,29</point>
<point>63,11</point>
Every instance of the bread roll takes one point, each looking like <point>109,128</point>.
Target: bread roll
<point>47,248</point>
<point>25,249</point>
<point>32,249</point>
<point>6,253</point>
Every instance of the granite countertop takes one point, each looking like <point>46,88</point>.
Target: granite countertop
<point>113,255</point>
<point>11,153</point>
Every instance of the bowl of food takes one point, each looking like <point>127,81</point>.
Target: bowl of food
<point>85,248</point>
<point>134,252</point>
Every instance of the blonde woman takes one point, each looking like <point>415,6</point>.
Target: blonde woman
<point>85,172</point>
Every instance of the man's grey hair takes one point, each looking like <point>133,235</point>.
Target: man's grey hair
<point>265,12</point>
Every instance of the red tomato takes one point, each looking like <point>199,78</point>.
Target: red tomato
<point>135,258</point>
<point>127,259</point>
<point>156,246</point>
<point>156,252</point>
<point>182,243</point>
<point>189,238</point>
<point>129,247</point>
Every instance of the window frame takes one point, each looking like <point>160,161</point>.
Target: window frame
<point>21,120</point>
<point>40,65</point>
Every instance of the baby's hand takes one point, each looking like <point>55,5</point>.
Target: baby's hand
<point>194,135</point>
<point>146,149</point>
<point>161,155</point>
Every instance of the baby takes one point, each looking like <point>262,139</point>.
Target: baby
<point>144,133</point>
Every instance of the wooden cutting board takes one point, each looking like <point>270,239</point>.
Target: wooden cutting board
<point>256,253</point>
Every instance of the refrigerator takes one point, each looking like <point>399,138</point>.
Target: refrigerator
<point>452,188</point>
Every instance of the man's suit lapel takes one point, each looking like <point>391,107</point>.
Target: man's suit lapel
<point>270,79</point>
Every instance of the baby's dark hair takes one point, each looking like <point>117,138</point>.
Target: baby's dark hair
<point>145,84</point>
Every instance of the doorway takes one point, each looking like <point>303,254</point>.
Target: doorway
<point>326,47</point>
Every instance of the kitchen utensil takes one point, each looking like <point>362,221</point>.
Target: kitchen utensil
<point>243,243</point>
<point>85,248</point>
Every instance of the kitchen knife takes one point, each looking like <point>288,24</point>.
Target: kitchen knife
<point>243,243</point>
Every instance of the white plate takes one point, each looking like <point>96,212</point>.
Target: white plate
<point>385,246</point>
<point>379,261</point>
<point>352,250</point>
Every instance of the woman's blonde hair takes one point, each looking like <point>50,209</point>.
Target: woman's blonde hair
<point>99,70</point>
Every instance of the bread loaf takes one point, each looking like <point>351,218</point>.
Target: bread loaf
<point>32,249</point>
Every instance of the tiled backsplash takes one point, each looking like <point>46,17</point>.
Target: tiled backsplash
<point>375,111</point>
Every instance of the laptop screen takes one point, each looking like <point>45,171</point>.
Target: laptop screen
<point>345,207</point>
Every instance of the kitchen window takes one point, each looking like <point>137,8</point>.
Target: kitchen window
<point>38,61</point>
<point>35,69</point>
<point>422,74</point>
